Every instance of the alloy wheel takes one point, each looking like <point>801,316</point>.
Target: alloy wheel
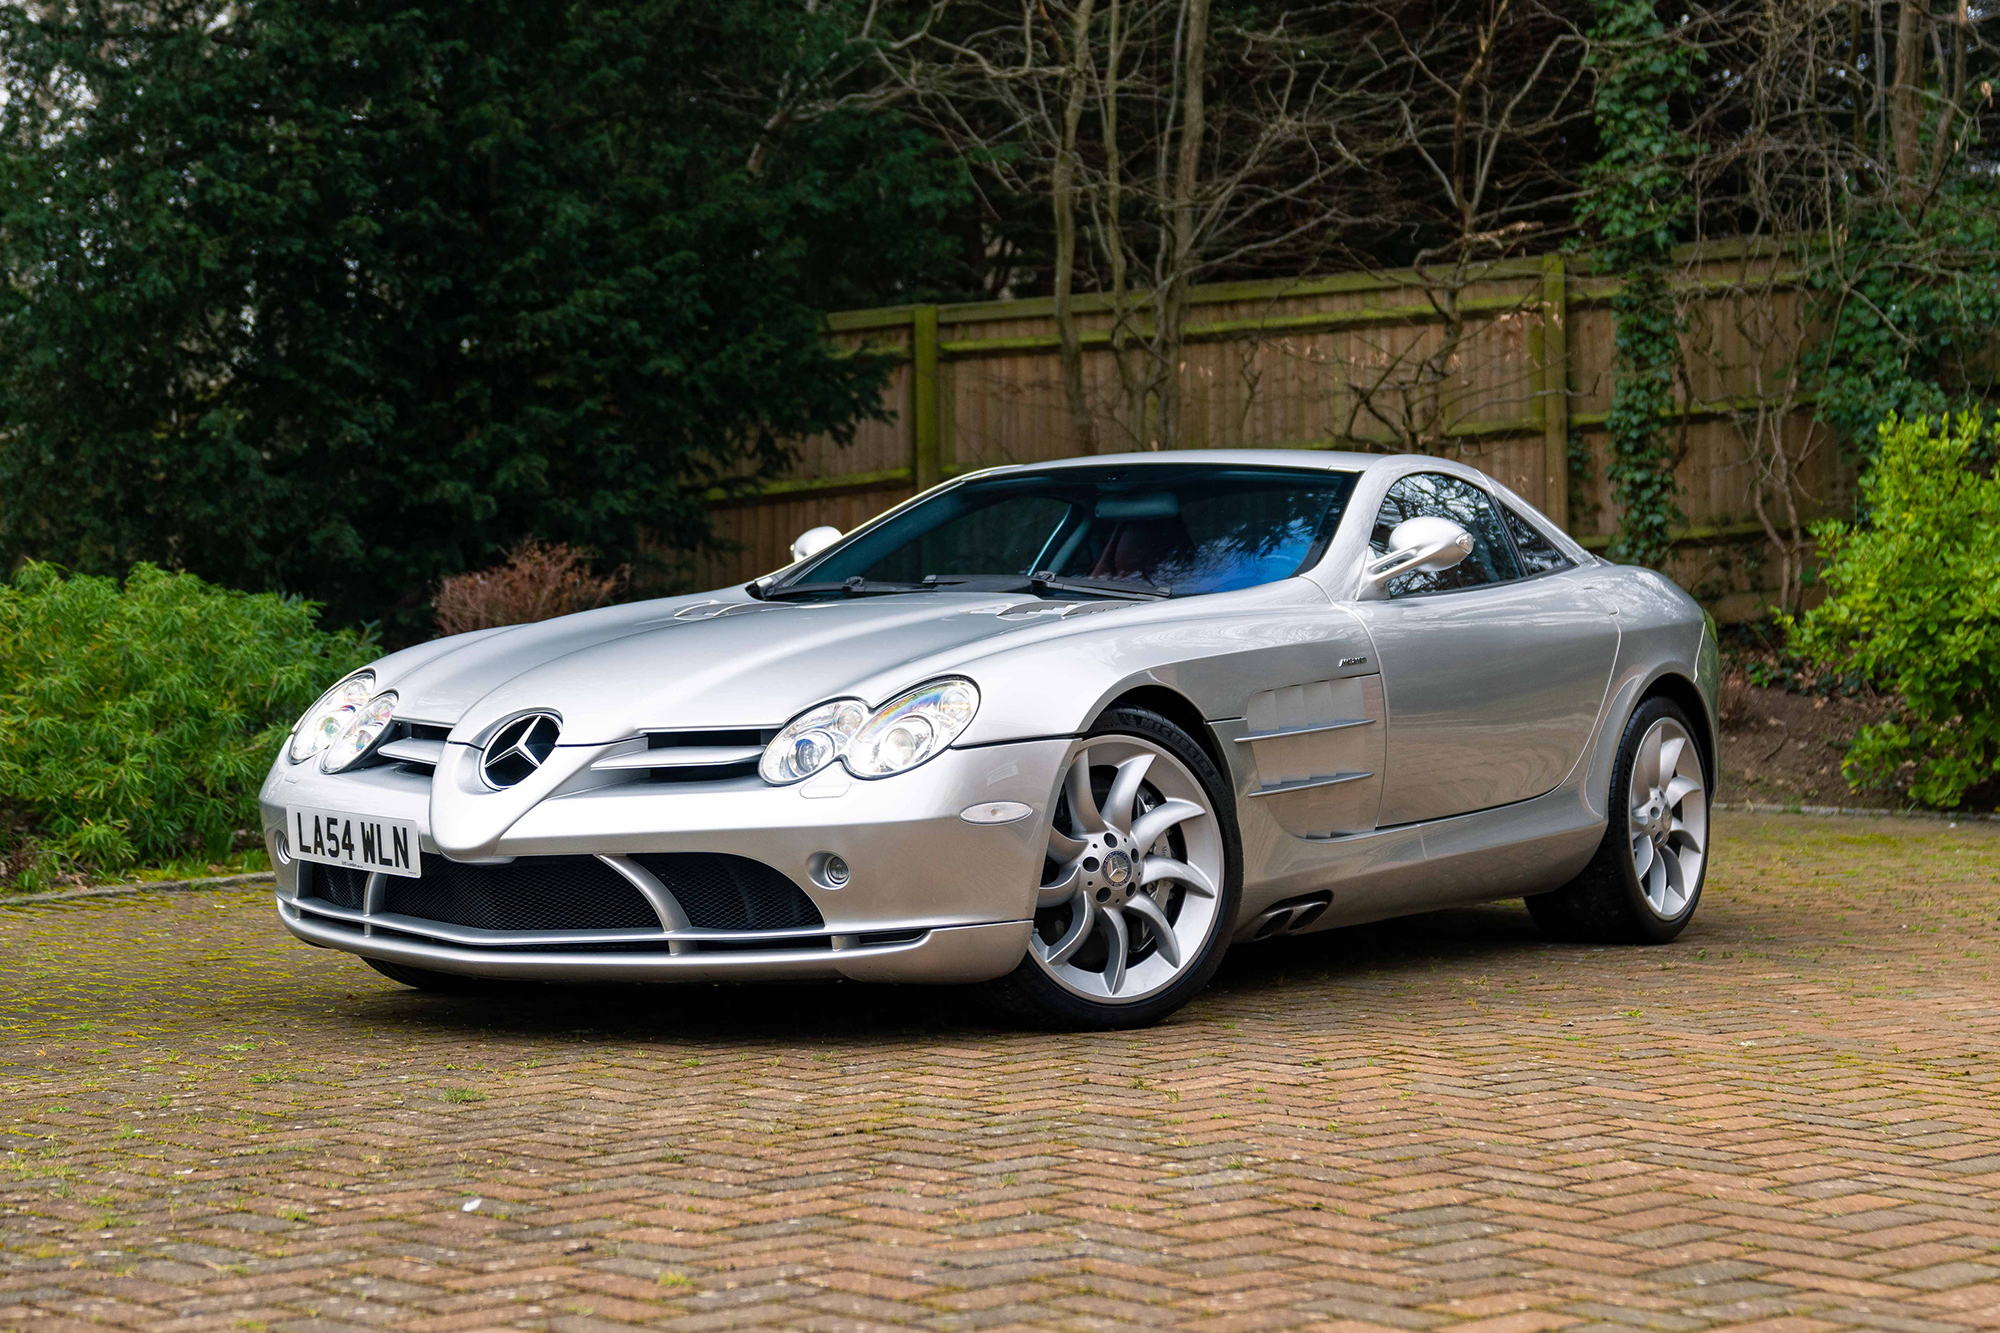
<point>1132,881</point>
<point>1668,818</point>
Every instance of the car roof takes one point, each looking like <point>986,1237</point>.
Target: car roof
<point>1302,459</point>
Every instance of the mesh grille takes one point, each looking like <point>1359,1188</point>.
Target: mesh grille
<point>732,892</point>
<point>582,893</point>
<point>533,893</point>
<point>338,885</point>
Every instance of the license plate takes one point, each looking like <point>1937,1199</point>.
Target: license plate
<point>360,842</point>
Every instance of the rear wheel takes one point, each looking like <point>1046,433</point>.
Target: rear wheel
<point>1645,881</point>
<point>1139,885</point>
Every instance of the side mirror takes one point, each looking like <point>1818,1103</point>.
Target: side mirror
<point>814,540</point>
<point>1428,544</point>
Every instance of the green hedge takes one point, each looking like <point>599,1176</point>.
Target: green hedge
<point>1914,605</point>
<point>136,722</point>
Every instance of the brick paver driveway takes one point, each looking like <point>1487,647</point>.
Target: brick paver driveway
<point>1789,1120</point>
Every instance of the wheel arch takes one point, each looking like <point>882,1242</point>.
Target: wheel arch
<point>1680,690</point>
<point>1176,708</point>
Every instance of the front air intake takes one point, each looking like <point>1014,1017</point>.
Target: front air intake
<point>339,885</point>
<point>720,892</point>
<point>533,893</point>
<point>715,891</point>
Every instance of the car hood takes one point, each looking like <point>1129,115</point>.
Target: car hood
<point>697,663</point>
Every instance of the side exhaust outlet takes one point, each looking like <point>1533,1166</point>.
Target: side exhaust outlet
<point>1286,918</point>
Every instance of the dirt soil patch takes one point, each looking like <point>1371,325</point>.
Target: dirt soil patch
<point>1783,748</point>
<point>1780,748</point>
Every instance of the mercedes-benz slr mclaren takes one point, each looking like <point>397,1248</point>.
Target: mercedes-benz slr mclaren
<point>1065,730</point>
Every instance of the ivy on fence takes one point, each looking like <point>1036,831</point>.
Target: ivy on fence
<point>1637,201</point>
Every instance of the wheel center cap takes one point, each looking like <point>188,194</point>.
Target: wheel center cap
<point>1117,869</point>
<point>1654,816</point>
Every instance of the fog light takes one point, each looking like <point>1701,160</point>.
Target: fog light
<point>829,871</point>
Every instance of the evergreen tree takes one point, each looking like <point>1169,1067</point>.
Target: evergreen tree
<point>337,296</point>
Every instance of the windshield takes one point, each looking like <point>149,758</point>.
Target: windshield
<point>1167,528</point>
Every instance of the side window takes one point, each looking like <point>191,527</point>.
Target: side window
<point>1538,554</point>
<point>1432,494</point>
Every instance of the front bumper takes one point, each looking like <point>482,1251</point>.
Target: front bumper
<point>930,897</point>
<point>943,954</point>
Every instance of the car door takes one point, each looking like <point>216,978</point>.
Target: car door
<point>1493,671</point>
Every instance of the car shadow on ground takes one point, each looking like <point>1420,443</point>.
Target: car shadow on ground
<point>808,1011</point>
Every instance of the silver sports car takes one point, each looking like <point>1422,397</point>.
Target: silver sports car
<point>1068,730</point>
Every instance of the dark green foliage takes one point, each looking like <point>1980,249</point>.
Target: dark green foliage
<point>136,722</point>
<point>340,296</point>
<point>1638,192</point>
<point>1914,605</point>
<point>1637,202</point>
<point>1912,313</point>
<point>1644,439</point>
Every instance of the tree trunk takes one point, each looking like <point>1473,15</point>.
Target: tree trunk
<point>1906,101</point>
<point>1062,198</point>
<point>1111,232</point>
<point>1172,313</point>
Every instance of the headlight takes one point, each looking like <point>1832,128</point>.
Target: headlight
<point>905,732</point>
<point>896,737</point>
<point>363,729</point>
<point>812,740</point>
<point>325,720</point>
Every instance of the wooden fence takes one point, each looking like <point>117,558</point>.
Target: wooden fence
<point>1511,373</point>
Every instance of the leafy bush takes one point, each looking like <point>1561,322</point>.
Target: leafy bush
<point>136,722</point>
<point>538,582</point>
<point>1915,605</point>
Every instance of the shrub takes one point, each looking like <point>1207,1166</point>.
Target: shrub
<point>538,582</point>
<point>1914,604</point>
<point>136,722</point>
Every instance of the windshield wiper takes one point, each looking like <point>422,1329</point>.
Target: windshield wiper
<point>1046,581</point>
<point>854,587</point>
<point>1136,589</point>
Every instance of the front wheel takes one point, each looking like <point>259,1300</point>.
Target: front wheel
<point>1643,884</point>
<point>1139,884</point>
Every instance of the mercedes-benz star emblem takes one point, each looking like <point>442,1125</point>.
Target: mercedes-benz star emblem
<point>518,749</point>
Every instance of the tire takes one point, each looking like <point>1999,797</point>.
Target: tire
<point>436,983</point>
<point>1644,882</point>
<point>1146,776</point>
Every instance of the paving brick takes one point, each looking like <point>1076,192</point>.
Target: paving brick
<point>1787,1122</point>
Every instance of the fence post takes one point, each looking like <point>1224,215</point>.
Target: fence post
<point>926,421</point>
<point>1553,391</point>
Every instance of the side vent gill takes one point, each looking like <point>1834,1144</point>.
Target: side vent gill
<point>1318,749</point>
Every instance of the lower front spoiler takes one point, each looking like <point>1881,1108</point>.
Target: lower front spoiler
<point>939,955</point>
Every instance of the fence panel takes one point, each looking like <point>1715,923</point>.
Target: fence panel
<point>1504,372</point>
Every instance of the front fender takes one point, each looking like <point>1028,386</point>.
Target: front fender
<point>1216,659</point>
